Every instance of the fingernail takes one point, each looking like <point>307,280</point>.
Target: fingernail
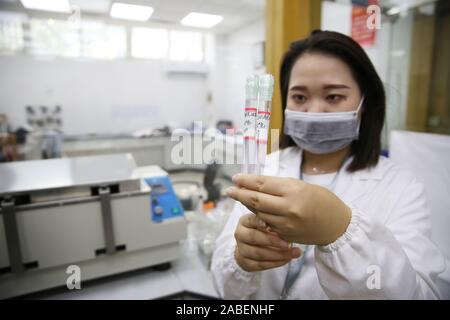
<point>261,223</point>
<point>295,253</point>
<point>229,191</point>
<point>284,244</point>
<point>235,177</point>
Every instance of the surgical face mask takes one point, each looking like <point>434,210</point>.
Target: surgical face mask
<point>320,132</point>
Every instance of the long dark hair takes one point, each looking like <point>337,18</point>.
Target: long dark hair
<point>366,149</point>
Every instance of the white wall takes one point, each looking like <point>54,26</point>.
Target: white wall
<point>118,96</point>
<point>336,17</point>
<point>122,96</point>
<point>234,62</point>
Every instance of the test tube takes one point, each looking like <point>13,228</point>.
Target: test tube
<point>266,82</point>
<point>250,113</point>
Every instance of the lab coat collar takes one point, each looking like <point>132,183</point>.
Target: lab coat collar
<point>291,159</point>
<point>350,186</point>
<point>290,162</point>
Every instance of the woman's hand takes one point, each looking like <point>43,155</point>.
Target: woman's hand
<point>297,211</point>
<point>258,249</point>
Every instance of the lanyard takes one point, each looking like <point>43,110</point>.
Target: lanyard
<point>294,269</point>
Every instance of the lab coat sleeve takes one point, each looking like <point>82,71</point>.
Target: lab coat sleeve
<point>230,280</point>
<point>391,260</point>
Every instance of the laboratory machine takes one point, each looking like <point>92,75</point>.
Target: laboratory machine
<point>99,215</point>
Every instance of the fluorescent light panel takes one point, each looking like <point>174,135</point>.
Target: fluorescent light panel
<point>393,11</point>
<point>47,5</point>
<point>131,11</point>
<point>201,20</point>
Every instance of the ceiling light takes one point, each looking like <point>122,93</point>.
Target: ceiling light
<point>201,20</point>
<point>393,11</point>
<point>47,5</point>
<point>131,11</point>
<point>97,6</point>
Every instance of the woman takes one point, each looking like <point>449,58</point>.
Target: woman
<point>362,221</point>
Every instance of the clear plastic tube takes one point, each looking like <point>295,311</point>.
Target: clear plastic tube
<point>263,118</point>
<point>250,115</point>
<point>258,105</point>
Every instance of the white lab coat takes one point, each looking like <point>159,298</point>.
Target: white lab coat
<point>385,253</point>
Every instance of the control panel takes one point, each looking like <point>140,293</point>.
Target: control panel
<point>164,202</point>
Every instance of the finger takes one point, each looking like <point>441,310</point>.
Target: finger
<point>253,210</point>
<point>266,253</point>
<point>258,200</point>
<point>273,221</point>
<point>257,237</point>
<point>270,185</point>
<point>261,224</point>
<point>252,265</point>
<point>252,221</point>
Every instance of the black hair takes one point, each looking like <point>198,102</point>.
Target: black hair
<point>367,148</point>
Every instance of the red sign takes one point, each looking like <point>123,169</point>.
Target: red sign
<point>362,32</point>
